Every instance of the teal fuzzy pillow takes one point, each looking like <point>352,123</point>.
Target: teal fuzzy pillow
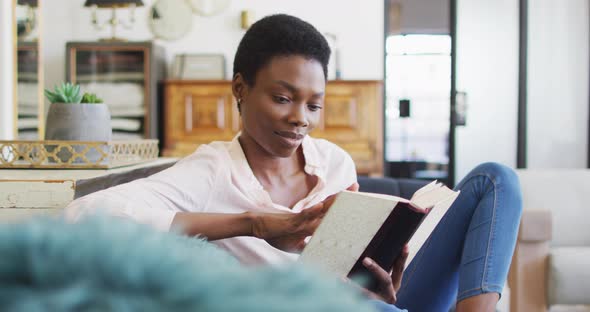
<point>105,264</point>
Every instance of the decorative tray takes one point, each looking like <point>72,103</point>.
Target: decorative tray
<point>76,154</point>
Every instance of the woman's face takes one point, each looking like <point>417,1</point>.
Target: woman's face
<point>283,105</point>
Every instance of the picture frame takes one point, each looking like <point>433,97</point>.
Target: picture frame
<point>199,67</point>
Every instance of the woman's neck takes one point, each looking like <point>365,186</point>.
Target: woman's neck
<point>268,168</point>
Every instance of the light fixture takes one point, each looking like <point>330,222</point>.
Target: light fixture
<point>113,21</point>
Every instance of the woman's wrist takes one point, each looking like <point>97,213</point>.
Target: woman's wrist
<point>251,219</point>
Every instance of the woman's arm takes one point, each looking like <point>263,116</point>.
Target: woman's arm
<point>214,226</point>
<point>285,231</point>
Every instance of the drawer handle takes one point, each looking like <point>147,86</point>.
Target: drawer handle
<point>188,116</point>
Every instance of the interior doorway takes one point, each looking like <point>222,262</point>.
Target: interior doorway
<point>418,87</point>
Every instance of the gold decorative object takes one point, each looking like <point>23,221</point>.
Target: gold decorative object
<point>246,19</point>
<point>76,154</point>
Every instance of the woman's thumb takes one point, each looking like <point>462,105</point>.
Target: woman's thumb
<point>354,187</point>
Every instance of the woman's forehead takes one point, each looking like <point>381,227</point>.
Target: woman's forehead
<point>293,72</point>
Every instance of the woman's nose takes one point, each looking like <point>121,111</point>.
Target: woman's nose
<point>298,116</point>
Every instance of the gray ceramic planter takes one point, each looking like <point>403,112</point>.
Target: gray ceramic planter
<point>78,122</point>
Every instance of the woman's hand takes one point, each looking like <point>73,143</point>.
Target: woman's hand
<point>287,231</point>
<point>389,282</point>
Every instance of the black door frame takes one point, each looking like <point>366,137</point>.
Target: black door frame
<point>521,147</point>
<point>453,123</point>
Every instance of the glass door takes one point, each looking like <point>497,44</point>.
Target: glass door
<point>417,109</point>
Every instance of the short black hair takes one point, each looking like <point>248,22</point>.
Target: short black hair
<point>279,35</point>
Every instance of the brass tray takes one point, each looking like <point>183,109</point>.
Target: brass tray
<point>76,154</point>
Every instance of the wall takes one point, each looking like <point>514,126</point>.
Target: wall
<point>357,23</point>
<point>487,69</point>
<point>7,62</point>
<point>558,84</point>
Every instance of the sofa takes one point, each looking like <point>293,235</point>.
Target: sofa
<point>108,264</point>
<point>551,266</point>
<point>397,187</point>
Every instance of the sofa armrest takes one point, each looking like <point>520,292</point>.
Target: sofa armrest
<point>528,272</point>
<point>535,226</point>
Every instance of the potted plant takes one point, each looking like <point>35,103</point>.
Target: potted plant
<point>76,117</point>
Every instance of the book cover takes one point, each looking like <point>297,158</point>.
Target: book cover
<point>360,225</point>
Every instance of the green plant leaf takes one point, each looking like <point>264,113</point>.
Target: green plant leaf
<point>91,98</point>
<point>65,93</point>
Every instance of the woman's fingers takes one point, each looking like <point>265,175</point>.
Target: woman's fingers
<point>364,291</point>
<point>311,217</point>
<point>316,211</point>
<point>419,209</point>
<point>386,289</point>
<point>398,267</point>
<point>382,276</point>
<point>300,244</point>
<point>354,187</point>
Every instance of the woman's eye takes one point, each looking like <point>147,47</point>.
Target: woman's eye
<point>314,107</point>
<point>281,99</point>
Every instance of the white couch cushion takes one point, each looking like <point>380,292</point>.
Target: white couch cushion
<point>569,276</point>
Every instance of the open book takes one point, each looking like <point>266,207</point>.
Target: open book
<point>360,225</point>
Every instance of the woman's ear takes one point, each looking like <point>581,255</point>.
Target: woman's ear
<point>238,86</point>
<point>239,89</point>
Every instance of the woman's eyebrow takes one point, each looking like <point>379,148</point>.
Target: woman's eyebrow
<point>292,88</point>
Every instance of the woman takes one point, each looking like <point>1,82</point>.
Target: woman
<point>260,195</point>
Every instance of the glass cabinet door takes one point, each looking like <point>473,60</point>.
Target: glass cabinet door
<point>28,91</point>
<point>119,78</point>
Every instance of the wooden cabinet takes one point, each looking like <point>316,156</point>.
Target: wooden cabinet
<point>198,112</point>
<point>125,76</point>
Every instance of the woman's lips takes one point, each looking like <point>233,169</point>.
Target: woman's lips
<point>292,139</point>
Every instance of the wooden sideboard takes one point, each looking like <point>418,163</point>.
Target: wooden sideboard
<point>198,112</point>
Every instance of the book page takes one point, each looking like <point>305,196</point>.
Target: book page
<point>384,196</point>
<point>440,199</point>
<point>430,195</point>
<point>425,188</point>
<point>346,231</point>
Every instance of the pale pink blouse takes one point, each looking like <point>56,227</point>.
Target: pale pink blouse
<point>217,178</point>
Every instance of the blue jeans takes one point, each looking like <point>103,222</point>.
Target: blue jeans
<point>470,250</point>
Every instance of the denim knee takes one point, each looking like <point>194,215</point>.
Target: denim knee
<point>504,177</point>
<point>498,173</point>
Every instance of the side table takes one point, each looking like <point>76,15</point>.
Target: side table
<point>27,192</point>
